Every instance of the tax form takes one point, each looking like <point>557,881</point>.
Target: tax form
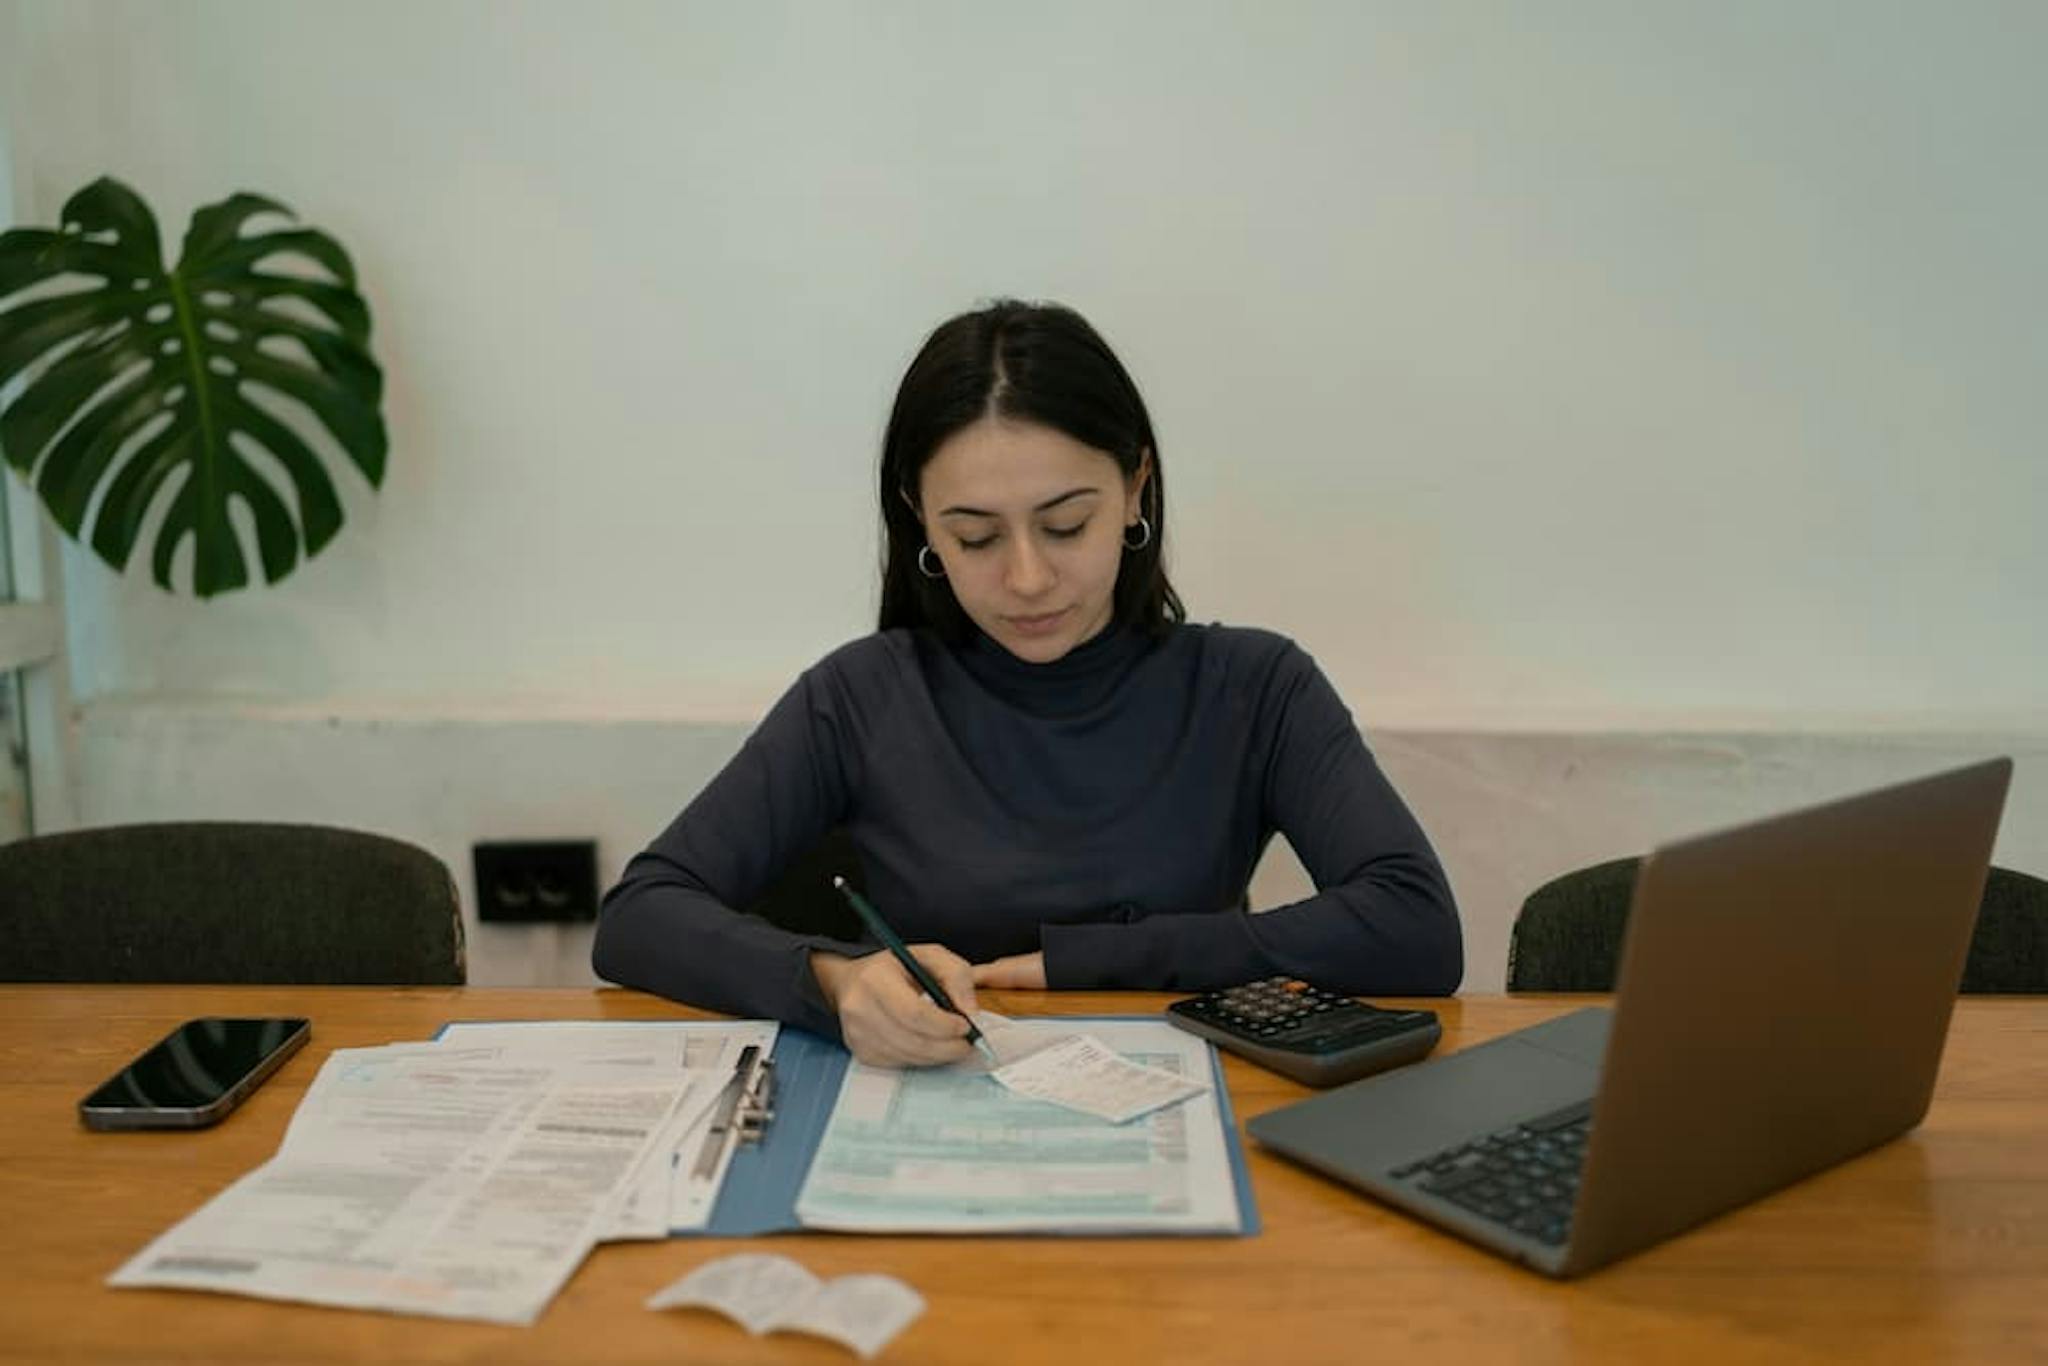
<point>951,1150</point>
<point>417,1178</point>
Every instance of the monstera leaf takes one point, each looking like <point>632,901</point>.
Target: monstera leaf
<point>149,375</point>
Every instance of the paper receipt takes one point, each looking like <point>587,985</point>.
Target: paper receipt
<point>765,1293</point>
<point>1083,1073</point>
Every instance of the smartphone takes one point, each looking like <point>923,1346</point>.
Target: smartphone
<point>196,1075</point>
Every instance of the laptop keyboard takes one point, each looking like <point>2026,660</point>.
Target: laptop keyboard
<point>1525,1177</point>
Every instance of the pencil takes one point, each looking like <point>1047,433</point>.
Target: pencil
<point>919,974</point>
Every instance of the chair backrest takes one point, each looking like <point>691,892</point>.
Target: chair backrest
<point>1567,936</point>
<point>227,901</point>
<point>2009,950</point>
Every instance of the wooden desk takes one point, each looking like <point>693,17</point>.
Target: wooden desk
<point>1934,1248</point>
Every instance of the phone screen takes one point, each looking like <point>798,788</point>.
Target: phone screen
<point>201,1061</point>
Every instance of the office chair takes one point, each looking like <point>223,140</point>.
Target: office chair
<point>227,901</point>
<point>1567,936</point>
<point>803,900</point>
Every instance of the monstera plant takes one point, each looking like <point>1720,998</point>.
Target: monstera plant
<point>130,376</point>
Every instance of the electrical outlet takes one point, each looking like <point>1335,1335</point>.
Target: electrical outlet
<point>536,880</point>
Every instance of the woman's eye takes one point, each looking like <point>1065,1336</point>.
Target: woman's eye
<point>1058,533</point>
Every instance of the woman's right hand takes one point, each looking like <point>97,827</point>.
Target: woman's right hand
<point>887,1019</point>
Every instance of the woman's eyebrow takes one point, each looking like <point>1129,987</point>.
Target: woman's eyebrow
<point>1048,504</point>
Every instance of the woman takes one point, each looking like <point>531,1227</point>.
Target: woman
<point>1051,779</point>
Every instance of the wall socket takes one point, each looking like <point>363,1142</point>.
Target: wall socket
<point>530,881</point>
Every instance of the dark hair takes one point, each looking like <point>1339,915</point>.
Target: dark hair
<point>1036,363</point>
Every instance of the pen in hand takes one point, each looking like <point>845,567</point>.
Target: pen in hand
<point>919,974</point>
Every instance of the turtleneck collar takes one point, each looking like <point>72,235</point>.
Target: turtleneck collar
<point>1078,681</point>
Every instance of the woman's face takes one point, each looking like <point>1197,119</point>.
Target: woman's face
<point>1029,525</point>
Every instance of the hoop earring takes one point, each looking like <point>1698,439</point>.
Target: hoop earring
<point>926,569</point>
<point>1144,535</point>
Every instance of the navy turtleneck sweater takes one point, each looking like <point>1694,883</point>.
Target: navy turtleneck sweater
<point>1107,808</point>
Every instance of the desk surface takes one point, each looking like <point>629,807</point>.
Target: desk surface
<point>1933,1248</point>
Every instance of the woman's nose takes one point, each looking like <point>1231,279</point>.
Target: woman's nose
<point>1027,573</point>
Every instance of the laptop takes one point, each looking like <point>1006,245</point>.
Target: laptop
<point>1784,995</point>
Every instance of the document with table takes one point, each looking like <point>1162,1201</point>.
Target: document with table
<point>467,1177</point>
<point>943,1150</point>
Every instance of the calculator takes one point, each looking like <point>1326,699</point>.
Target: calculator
<point>1313,1036</point>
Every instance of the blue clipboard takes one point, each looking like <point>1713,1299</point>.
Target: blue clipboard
<point>763,1179</point>
<point>758,1194</point>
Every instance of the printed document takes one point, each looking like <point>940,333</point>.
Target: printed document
<point>666,1193</point>
<point>418,1178</point>
<point>950,1150</point>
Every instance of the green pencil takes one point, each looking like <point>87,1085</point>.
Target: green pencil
<point>879,928</point>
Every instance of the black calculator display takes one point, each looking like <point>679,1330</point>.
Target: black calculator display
<point>1310,1035</point>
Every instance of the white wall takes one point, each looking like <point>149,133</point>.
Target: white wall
<point>1603,357</point>
<point>1571,369</point>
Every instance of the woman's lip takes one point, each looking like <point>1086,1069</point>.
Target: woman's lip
<point>1040,623</point>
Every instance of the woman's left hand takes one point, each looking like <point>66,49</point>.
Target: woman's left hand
<point>1018,972</point>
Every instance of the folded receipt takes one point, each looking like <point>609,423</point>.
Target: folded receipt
<point>1083,1073</point>
<point>764,1293</point>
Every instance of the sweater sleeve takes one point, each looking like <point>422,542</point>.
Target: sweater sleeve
<point>1382,921</point>
<point>668,926</point>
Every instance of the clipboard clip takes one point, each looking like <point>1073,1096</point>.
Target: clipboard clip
<point>756,1108</point>
<point>743,1111</point>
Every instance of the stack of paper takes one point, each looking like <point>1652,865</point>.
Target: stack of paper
<point>469,1177</point>
<point>669,1192</point>
<point>466,1178</point>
